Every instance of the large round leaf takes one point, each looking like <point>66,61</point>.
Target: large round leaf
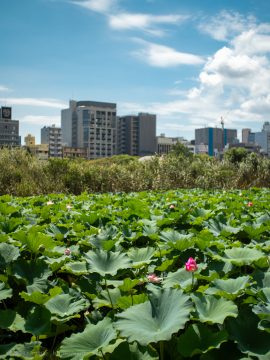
<point>229,288</point>
<point>198,338</point>
<point>65,305</point>
<point>244,330</point>
<point>167,312</point>
<point>8,253</point>
<point>107,262</point>
<point>93,340</point>
<point>213,310</point>
<point>242,256</point>
<point>141,256</point>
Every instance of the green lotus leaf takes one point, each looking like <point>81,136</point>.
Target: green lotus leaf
<point>125,302</point>
<point>242,256</point>
<point>128,284</point>
<point>244,330</point>
<point>5,293</point>
<point>213,310</point>
<point>181,277</point>
<point>105,263</point>
<point>75,268</point>
<point>262,278</point>
<point>233,287</point>
<point>218,228</point>
<point>134,351</point>
<point>38,322</point>
<point>34,239</point>
<point>8,253</point>
<point>93,340</point>
<point>27,351</point>
<point>10,319</point>
<point>104,299</point>
<point>166,312</point>
<point>34,273</point>
<point>199,338</point>
<point>172,236</point>
<point>65,305</point>
<point>39,298</point>
<point>141,256</point>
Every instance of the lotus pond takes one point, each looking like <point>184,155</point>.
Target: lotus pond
<point>143,276</point>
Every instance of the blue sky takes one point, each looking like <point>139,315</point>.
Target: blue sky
<point>188,61</point>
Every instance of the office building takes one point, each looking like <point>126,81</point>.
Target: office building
<point>52,136</point>
<point>248,137</point>
<point>9,129</point>
<point>137,134</point>
<point>215,139</point>
<point>90,125</point>
<point>262,138</point>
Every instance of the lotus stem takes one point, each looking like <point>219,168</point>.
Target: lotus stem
<point>192,280</point>
<point>161,350</point>
<point>108,293</point>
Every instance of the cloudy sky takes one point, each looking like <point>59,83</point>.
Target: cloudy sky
<point>188,61</point>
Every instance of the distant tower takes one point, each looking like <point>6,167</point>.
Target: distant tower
<point>30,140</point>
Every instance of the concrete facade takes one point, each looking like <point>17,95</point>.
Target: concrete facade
<point>90,125</point>
<point>215,138</point>
<point>137,134</point>
<point>9,129</point>
<point>52,136</point>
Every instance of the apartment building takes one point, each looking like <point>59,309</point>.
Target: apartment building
<point>90,125</point>
<point>137,134</point>
<point>9,129</point>
<point>52,136</point>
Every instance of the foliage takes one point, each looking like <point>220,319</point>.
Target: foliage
<point>24,175</point>
<point>74,278</point>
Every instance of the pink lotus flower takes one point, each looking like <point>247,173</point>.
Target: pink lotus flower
<point>172,206</point>
<point>67,252</point>
<point>69,206</point>
<point>153,278</point>
<point>250,203</point>
<point>191,265</point>
<point>50,202</point>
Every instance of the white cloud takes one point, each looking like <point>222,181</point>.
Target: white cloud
<point>101,6</point>
<point>164,56</point>
<point>41,120</point>
<point>254,41</point>
<point>51,103</point>
<point>226,25</point>
<point>144,22</point>
<point>4,88</point>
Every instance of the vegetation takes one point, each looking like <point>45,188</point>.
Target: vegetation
<point>23,175</point>
<point>154,275</point>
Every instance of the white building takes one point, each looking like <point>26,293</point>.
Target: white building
<point>90,125</point>
<point>52,136</point>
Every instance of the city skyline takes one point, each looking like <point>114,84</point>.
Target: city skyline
<point>189,63</point>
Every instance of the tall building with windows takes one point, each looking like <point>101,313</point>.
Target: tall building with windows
<point>137,134</point>
<point>90,125</point>
<point>215,139</point>
<point>9,129</point>
<point>52,136</point>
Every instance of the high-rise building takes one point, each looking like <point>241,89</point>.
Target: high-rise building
<point>90,125</point>
<point>9,129</point>
<point>52,136</point>
<point>137,134</point>
<point>262,138</point>
<point>248,137</point>
<point>215,139</point>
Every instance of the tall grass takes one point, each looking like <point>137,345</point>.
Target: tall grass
<point>21,174</point>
